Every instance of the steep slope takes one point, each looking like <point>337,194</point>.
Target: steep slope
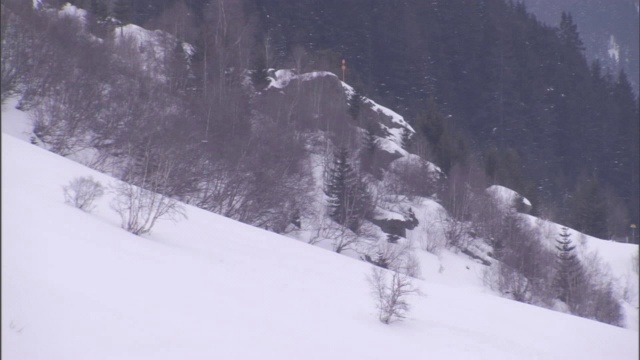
<point>76,286</point>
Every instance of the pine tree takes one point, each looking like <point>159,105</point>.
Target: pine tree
<point>369,152</point>
<point>349,199</point>
<point>569,32</point>
<point>406,138</point>
<point>99,9</point>
<point>589,208</point>
<point>569,270</point>
<point>355,104</point>
<point>123,11</point>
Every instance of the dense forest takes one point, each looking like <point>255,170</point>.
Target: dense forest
<point>482,82</point>
<point>513,93</point>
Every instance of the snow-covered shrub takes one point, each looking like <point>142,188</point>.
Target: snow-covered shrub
<point>391,296</point>
<point>82,192</point>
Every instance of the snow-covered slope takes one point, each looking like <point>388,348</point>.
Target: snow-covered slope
<point>76,286</point>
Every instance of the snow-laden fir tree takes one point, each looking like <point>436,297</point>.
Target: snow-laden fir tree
<point>369,152</point>
<point>349,199</point>
<point>406,138</point>
<point>569,270</point>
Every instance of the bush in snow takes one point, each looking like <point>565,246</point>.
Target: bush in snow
<point>82,192</point>
<point>598,296</point>
<point>398,257</point>
<point>391,296</point>
<point>508,281</point>
<point>525,266</point>
<point>139,209</point>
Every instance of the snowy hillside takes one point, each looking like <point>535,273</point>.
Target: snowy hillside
<point>76,286</point>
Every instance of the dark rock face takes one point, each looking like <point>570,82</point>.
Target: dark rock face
<point>395,227</point>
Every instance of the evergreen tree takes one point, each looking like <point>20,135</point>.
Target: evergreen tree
<point>589,208</point>
<point>569,270</point>
<point>99,9</point>
<point>355,104</point>
<point>349,198</point>
<point>406,138</point>
<point>623,160</point>
<point>569,32</point>
<point>260,74</point>
<point>369,152</point>
<point>123,11</point>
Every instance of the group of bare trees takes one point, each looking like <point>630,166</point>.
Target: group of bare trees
<point>164,115</point>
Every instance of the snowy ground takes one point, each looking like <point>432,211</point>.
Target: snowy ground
<point>76,286</point>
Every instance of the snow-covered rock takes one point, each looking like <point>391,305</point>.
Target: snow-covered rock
<point>505,198</point>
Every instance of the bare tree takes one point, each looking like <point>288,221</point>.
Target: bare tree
<point>431,236</point>
<point>12,53</point>
<point>299,57</point>
<point>391,295</point>
<point>139,209</point>
<point>597,295</point>
<point>140,201</point>
<point>455,230</point>
<point>508,281</point>
<point>524,270</point>
<point>82,192</point>
<point>63,120</point>
<point>413,177</point>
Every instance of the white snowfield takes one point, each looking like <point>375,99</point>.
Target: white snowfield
<point>76,286</point>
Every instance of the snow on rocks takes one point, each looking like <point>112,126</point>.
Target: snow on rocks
<point>505,197</point>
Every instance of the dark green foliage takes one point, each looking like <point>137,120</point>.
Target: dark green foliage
<point>349,201</point>
<point>448,146</point>
<point>260,78</point>
<point>355,103</point>
<point>569,273</point>
<point>99,9</point>
<point>407,138</point>
<point>508,80</point>
<point>589,208</point>
<point>568,32</point>
<point>393,239</point>
<point>369,152</point>
<point>123,11</point>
